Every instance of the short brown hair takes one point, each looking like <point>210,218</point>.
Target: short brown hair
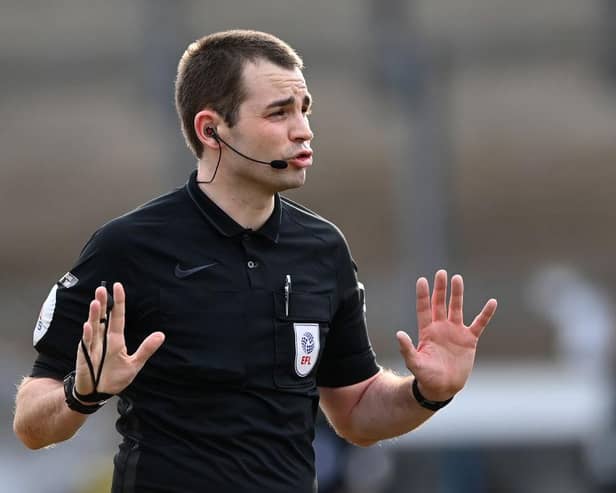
<point>210,75</point>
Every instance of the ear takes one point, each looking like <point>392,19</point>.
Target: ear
<point>204,119</point>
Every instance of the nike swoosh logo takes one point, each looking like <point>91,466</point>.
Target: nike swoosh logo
<point>182,273</point>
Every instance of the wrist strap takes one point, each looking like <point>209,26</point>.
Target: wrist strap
<point>71,397</point>
<point>426,403</point>
<point>94,397</point>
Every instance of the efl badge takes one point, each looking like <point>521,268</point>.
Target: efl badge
<point>307,344</point>
<point>45,317</point>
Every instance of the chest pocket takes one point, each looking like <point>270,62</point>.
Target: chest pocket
<point>203,337</point>
<point>300,338</point>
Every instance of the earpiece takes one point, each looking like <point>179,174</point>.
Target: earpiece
<point>212,133</point>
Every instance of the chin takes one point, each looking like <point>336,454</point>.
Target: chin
<point>290,181</point>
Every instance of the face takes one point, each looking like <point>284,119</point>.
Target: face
<point>272,124</point>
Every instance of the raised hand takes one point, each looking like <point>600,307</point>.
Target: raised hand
<point>119,368</point>
<point>445,354</point>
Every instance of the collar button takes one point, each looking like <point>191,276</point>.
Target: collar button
<point>252,264</point>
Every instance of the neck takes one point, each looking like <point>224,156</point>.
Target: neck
<point>247,205</point>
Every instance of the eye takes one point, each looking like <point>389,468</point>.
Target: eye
<point>280,112</point>
<point>307,111</point>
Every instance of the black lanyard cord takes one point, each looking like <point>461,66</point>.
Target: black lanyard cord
<point>96,396</point>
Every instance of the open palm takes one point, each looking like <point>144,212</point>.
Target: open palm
<point>444,356</point>
<point>119,368</point>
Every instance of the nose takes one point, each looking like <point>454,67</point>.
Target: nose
<point>301,132</point>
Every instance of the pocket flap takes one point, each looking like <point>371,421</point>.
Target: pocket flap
<point>304,307</point>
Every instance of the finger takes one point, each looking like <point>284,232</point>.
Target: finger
<point>482,320</point>
<point>456,311</point>
<point>100,295</point>
<point>83,382</point>
<point>116,323</point>
<point>94,312</point>
<point>93,321</point>
<point>87,334</point>
<point>407,349</point>
<point>147,348</point>
<point>424,315</point>
<point>439,296</point>
<point>87,340</point>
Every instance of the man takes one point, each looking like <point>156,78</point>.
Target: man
<point>262,313</point>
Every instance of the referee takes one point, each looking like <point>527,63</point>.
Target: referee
<point>260,310</point>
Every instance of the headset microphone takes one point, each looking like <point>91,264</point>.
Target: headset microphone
<point>276,163</point>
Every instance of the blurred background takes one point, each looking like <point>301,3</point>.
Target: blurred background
<point>474,135</point>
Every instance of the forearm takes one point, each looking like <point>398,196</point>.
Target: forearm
<point>42,417</point>
<point>386,409</point>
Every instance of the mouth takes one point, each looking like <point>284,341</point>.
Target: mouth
<point>302,159</point>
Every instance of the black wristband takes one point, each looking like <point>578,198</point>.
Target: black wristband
<point>71,399</point>
<point>428,404</point>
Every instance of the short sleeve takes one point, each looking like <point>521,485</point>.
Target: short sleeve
<point>60,323</point>
<point>348,357</point>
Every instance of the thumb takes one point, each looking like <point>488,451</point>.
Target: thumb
<point>147,348</point>
<point>407,349</point>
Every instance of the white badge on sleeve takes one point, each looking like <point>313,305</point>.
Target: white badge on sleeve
<point>45,317</point>
<point>307,345</point>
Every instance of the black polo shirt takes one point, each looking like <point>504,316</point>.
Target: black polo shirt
<point>254,321</point>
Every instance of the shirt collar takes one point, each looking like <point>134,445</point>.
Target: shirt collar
<point>225,224</point>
